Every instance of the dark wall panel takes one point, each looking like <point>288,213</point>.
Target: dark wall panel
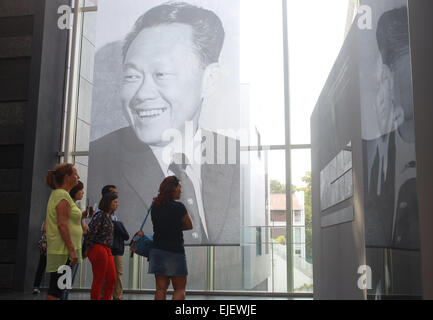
<point>14,79</point>
<point>16,37</point>
<point>12,114</point>
<point>42,141</point>
<point>7,272</point>
<point>13,8</point>
<point>10,180</point>
<point>421,24</point>
<point>338,248</point>
<point>16,47</point>
<point>16,26</point>
<point>10,202</point>
<point>12,156</point>
<point>8,226</point>
<point>7,248</point>
<point>11,135</point>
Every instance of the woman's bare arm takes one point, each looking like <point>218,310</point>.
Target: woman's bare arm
<point>85,227</point>
<point>187,222</point>
<point>63,210</point>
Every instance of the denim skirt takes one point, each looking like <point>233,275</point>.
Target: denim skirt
<point>166,263</point>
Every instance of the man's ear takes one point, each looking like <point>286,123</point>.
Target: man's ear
<point>210,79</point>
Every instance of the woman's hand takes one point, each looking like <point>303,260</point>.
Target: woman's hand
<point>187,222</point>
<point>73,257</point>
<point>85,253</point>
<point>85,227</point>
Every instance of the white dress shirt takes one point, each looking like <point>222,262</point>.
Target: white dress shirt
<point>193,171</point>
<point>382,147</point>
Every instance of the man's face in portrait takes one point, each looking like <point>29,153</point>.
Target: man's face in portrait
<point>162,81</point>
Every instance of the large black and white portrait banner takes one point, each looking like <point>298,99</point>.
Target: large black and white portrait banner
<point>166,102</point>
<point>391,205</point>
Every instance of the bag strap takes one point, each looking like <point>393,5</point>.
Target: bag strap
<point>148,211</point>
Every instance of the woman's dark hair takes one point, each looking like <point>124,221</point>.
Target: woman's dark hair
<point>105,203</point>
<point>166,191</point>
<point>106,189</point>
<point>55,177</point>
<point>74,190</point>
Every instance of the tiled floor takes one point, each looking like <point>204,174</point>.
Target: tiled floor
<point>143,296</point>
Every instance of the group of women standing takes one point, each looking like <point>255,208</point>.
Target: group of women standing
<point>64,232</point>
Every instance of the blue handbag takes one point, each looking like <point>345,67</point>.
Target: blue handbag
<point>141,243</point>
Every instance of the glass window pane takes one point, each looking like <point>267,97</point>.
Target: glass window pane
<point>197,262</point>
<point>252,266</point>
<point>90,3</point>
<point>262,70</point>
<point>260,263</point>
<point>229,269</point>
<point>316,31</point>
<point>302,229</point>
<point>87,59</point>
<point>301,166</point>
<point>89,26</point>
<point>278,279</point>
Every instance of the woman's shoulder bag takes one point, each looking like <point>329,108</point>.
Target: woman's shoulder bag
<point>142,243</point>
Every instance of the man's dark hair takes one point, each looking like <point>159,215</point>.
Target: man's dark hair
<point>393,35</point>
<point>106,189</point>
<point>208,31</point>
<point>105,203</point>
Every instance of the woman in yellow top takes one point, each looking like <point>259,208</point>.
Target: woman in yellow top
<point>64,231</point>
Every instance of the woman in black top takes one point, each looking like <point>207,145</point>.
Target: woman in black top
<point>167,258</point>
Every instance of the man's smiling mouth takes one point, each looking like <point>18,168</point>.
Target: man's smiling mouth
<point>152,113</point>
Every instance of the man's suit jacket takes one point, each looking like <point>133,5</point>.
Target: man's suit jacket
<point>379,208</point>
<point>406,225</point>
<point>391,218</point>
<point>119,158</point>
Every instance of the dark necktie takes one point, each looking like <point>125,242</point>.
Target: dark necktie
<point>188,198</point>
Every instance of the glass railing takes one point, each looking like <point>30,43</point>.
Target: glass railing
<point>259,264</point>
